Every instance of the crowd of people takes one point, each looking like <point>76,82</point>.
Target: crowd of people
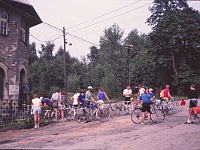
<point>85,98</point>
<point>81,98</point>
<point>147,98</point>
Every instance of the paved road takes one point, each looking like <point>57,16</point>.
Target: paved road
<point>116,134</point>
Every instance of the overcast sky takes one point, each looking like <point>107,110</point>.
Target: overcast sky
<point>86,20</point>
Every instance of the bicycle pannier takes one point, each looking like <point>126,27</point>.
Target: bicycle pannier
<point>196,110</point>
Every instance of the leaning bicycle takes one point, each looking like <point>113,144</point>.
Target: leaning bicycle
<point>93,112</point>
<point>157,115</point>
<point>113,109</point>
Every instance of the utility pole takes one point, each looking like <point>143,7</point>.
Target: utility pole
<point>65,67</point>
<point>129,48</point>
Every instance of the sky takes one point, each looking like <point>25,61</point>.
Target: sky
<point>86,20</point>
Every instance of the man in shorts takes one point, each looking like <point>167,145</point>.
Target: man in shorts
<point>57,96</point>
<point>193,100</point>
<point>127,93</point>
<point>101,95</point>
<point>146,105</point>
<point>89,99</point>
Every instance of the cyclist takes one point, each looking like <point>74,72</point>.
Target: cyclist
<point>57,96</point>
<point>193,97</point>
<point>101,96</point>
<point>166,94</point>
<point>146,105</point>
<point>75,99</point>
<point>88,99</point>
<point>47,104</point>
<point>151,94</point>
<point>81,98</point>
<point>127,93</point>
<point>36,107</point>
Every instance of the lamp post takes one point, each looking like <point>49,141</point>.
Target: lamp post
<point>129,48</point>
<point>65,67</point>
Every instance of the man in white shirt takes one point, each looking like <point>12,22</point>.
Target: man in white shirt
<point>127,93</point>
<point>57,96</point>
<point>75,99</point>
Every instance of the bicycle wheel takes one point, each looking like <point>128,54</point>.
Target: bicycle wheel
<point>28,116</point>
<point>157,116</point>
<point>136,116</point>
<point>114,112</point>
<point>82,116</point>
<point>173,108</point>
<point>53,115</point>
<point>46,118</point>
<point>104,115</point>
<point>70,114</point>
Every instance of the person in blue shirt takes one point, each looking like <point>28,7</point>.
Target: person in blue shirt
<point>101,95</point>
<point>151,94</point>
<point>47,104</point>
<point>81,98</point>
<point>146,105</point>
<point>25,94</point>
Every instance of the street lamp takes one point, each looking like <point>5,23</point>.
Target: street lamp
<point>65,67</point>
<point>129,48</point>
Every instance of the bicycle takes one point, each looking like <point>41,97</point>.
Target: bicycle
<point>127,106</point>
<point>71,113</point>
<point>94,113</point>
<point>24,114</point>
<point>114,111</point>
<point>169,107</point>
<point>157,115</point>
<point>48,115</point>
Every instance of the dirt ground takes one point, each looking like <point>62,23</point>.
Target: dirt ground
<point>117,134</point>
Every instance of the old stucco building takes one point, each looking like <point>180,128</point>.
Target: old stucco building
<point>16,18</point>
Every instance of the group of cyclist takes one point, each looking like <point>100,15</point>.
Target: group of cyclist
<point>145,96</point>
<point>84,98</point>
<point>80,99</point>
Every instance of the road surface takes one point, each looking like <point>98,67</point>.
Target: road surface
<point>116,134</point>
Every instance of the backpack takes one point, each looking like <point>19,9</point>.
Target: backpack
<point>162,94</point>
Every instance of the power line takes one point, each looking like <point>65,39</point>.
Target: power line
<point>103,15</point>
<point>36,38</point>
<point>52,26</point>
<point>110,18</point>
<point>57,38</point>
<point>118,24</point>
<point>74,36</point>
<point>82,39</point>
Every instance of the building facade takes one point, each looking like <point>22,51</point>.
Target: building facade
<point>16,18</point>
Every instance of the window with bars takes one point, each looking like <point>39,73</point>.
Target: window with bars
<point>23,30</point>
<point>3,22</point>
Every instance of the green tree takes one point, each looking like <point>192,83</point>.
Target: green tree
<point>32,53</point>
<point>176,30</point>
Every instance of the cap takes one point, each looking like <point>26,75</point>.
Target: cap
<point>150,89</point>
<point>90,87</point>
<point>41,98</point>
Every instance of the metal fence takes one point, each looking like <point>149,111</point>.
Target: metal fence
<point>7,109</point>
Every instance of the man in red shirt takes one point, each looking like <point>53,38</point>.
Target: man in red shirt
<point>166,93</point>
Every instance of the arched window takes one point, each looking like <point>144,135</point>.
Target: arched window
<point>3,22</point>
<point>23,30</point>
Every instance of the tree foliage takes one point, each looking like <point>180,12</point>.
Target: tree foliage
<point>168,55</point>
